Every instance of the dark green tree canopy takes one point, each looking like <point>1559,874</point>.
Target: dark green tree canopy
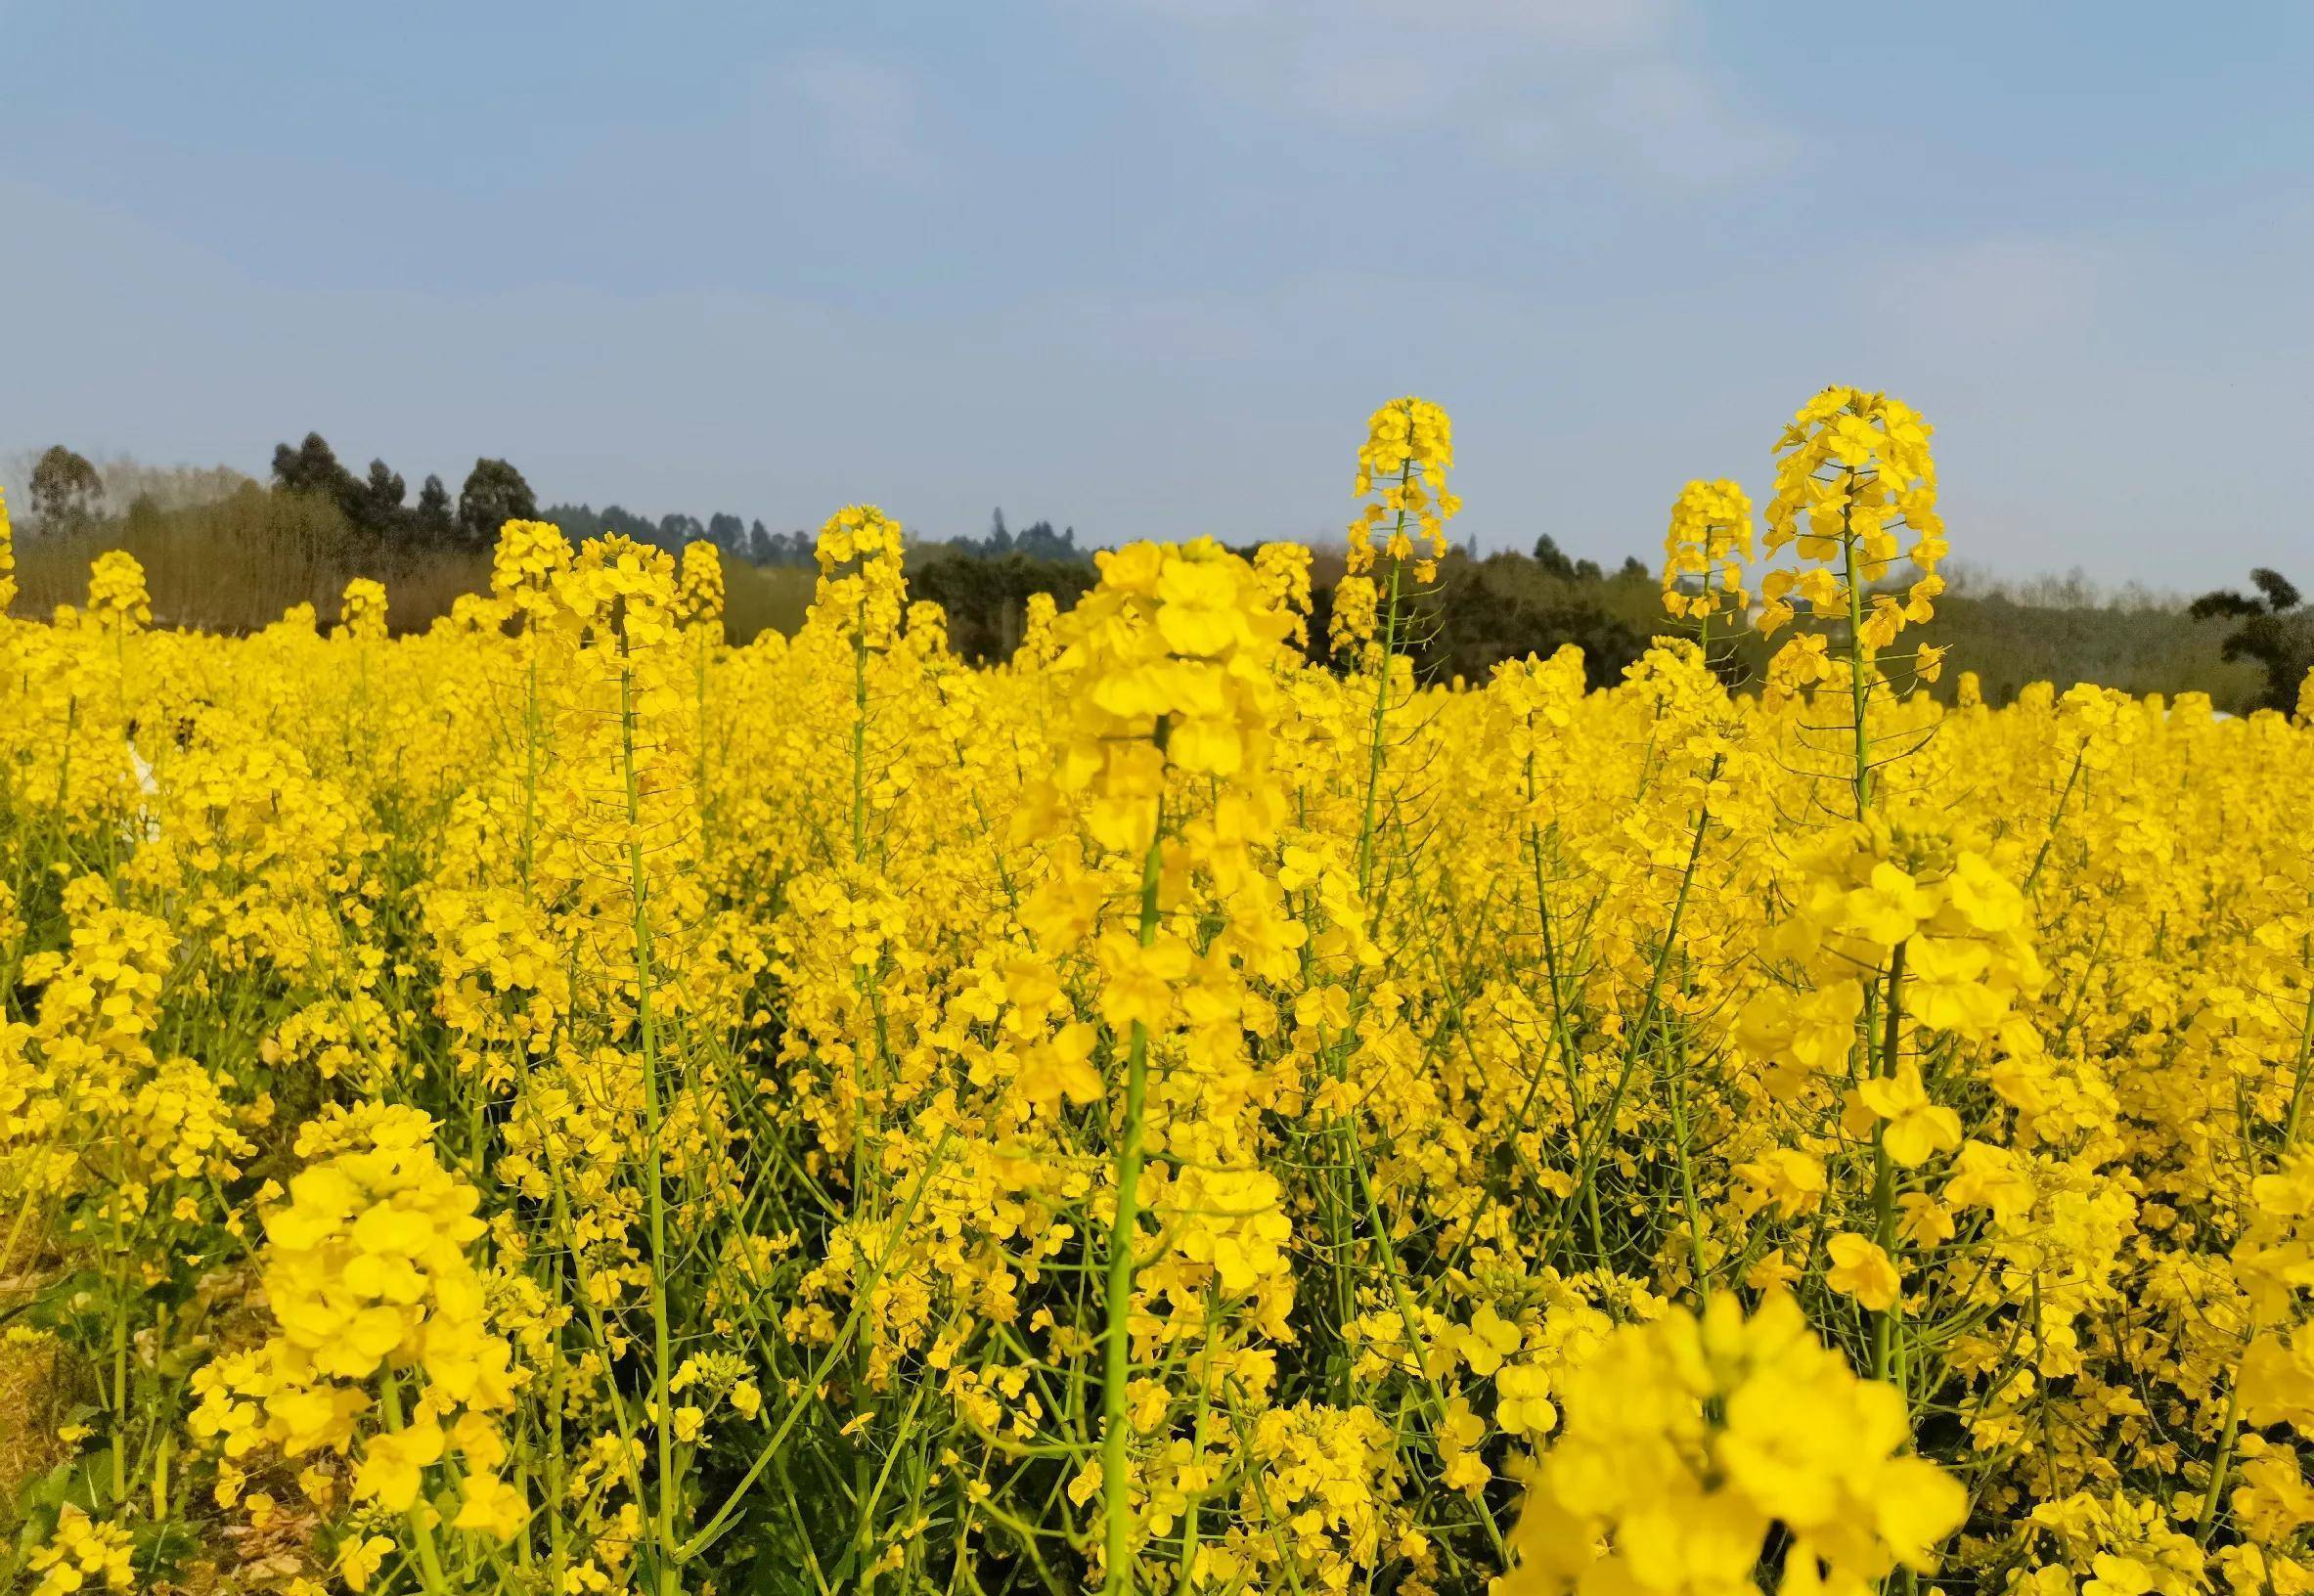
<point>2277,632</point>
<point>1552,559</point>
<point>986,598</point>
<point>380,499</point>
<point>494,495</point>
<point>312,466</point>
<point>433,519</point>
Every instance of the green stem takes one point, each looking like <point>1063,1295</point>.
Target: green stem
<point>1887,1327</point>
<point>859,742</point>
<point>1593,1141</point>
<point>1695,1213</point>
<point>529,762</point>
<point>2223,1464</point>
<point>1377,740</point>
<point>655,1196</point>
<point>806,1396</point>
<point>1860,681</point>
<point>422,1532</point>
<point>2041,857</point>
<point>1116,1339</point>
<point>1414,1338</point>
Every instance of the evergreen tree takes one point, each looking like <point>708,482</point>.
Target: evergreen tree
<point>313,468</point>
<point>1554,562</point>
<point>378,506</point>
<point>494,495</point>
<point>432,521</point>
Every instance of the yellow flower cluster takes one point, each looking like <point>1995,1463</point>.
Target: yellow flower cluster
<point>1689,1441</point>
<point>363,613</point>
<point>860,590</point>
<point>1169,662</point>
<point>82,1555</point>
<point>1880,888</point>
<point>7,559</point>
<point>1705,550</point>
<point>1856,476</point>
<point>378,1309</point>
<point>1402,474</point>
<point>117,597</point>
<point>530,556</point>
<point>700,593</point>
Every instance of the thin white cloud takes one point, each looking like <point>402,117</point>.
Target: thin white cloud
<point>860,111</point>
<point>1352,83</point>
<point>1166,331</point>
<point>1989,295</point>
<point>1536,85</point>
<point>1665,116</point>
<point>1596,25</point>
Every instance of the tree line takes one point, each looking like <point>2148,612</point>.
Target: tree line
<point>224,550</point>
<point>377,504</point>
<point>1484,610</point>
<point>67,492</point>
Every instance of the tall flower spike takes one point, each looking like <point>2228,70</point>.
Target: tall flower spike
<point>7,557</point>
<point>1285,572</point>
<point>861,581</point>
<point>699,596</point>
<point>362,612</point>
<point>117,597</point>
<point>1705,550</point>
<point>1856,474</point>
<point>1402,474</point>
<point>530,555</point>
<point>623,587</point>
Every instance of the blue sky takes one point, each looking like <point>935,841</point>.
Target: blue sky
<point>1145,265</point>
